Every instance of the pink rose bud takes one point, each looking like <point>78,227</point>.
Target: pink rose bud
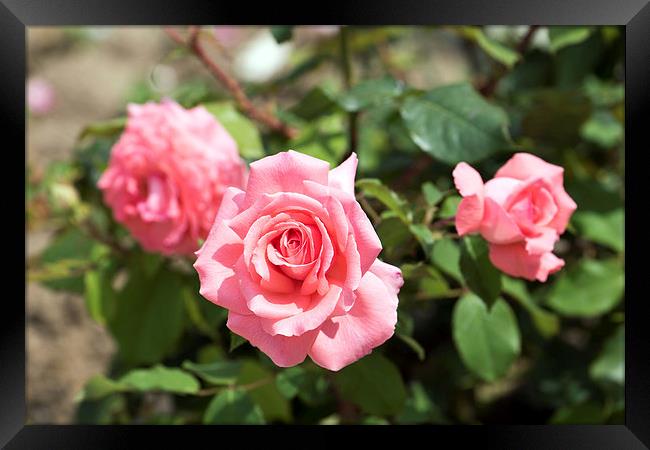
<point>40,96</point>
<point>521,212</point>
<point>294,260</point>
<point>168,173</point>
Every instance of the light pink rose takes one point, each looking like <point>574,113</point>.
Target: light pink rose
<point>168,173</point>
<point>41,97</point>
<point>294,260</point>
<point>521,212</point>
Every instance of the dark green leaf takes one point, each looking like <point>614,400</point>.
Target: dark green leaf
<point>373,383</point>
<point>217,373</point>
<point>602,228</point>
<point>449,207</point>
<point>370,93</point>
<point>454,123</point>
<point>282,33</point>
<point>419,408</point>
<point>546,322</point>
<point>71,245</point>
<point>149,316</point>
<point>609,366</point>
<point>589,289</point>
<point>588,412</point>
<point>160,378</point>
<point>316,103</point>
<point>446,256</point>
<point>432,194</point>
<point>563,36</point>
<point>488,342</point>
<point>235,341</point>
<point>479,273</point>
<point>265,394</point>
<point>233,407</point>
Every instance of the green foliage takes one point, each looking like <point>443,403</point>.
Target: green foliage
<point>234,407</point>
<point>588,289</point>
<point>470,341</point>
<point>454,123</point>
<point>374,384</point>
<point>488,341</point>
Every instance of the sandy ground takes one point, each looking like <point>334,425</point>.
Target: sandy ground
<point>91,80</point>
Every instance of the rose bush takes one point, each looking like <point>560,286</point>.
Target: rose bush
<point>521,212</point>
<point>167,174</point>
<point>294,260</point>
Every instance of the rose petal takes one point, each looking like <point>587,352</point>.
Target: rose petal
<point>312,317</point>
<point>497,226</point>
<point>514,260</point>
<point>218,256</point>
<point>371,321</point>
<point>284,172</point>
<point>284,351</point>
<point>469,215</point>
<point>467,180</point>
<point>342,177</point>
<point>524,165</point>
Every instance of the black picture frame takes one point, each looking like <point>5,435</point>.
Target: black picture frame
<point>16,15</point>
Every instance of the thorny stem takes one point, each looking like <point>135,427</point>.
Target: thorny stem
<point>244,103</point>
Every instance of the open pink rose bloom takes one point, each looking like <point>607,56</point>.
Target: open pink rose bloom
<point>168,173</point>
<point>294,260</point>
<point>521,212</point>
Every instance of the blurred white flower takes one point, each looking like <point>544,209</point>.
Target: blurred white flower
<point>261,58</point>
<point>41,97</point>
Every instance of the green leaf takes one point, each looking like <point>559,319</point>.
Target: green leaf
<point>449,207</point>
<point>149,316</point>
<point>432,194</point>
<point>479,273</point>
<point>488,342</point>
<point>454,123</point>
<point>587,413</point>
<point>603,93</point>
<point>282,33</point>
<point>98,387</point>
<point>446,256</point>
<point>505,55</point>
<point>424,236</point>
<point>374,188</point>
<point>546,322</point>
<point>71,245</point>
<point>316,103</point>
<point>374,384</point>
<point>217,373</point>
<point>370,93</point>
<point>106,128</point>
<point>157,378</point>
<point>609,366</point>
<point>419,408</point>
<point>235,341</point>
<point>603,228</point>
<point>589,289</point>
<point>273,404</point>
<point>309,385</point>
<point>233,407</point>
<point>240,128</point>
<point>99,295</point>
<point>602,129</point>
<point>160,378</point>
<point>563,36</point>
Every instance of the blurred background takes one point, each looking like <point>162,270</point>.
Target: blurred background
<point>565,93</point>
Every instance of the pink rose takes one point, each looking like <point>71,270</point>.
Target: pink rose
<point>41,97</point>
<point>168,173</point>
<point>521,212</point>
<point>294,260</point>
